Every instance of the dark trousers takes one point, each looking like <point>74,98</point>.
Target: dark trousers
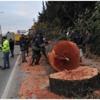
<point>27,50</point>
<point>12,52</point>
<point>6,59</point>
<point>35,56</point>
<point>44,52</point>
<point>23,56</point>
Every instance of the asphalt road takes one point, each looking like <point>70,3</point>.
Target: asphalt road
<point>5,74</point>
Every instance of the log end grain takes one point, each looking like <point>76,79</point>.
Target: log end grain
<point>64,55</point>
<point>80,73</point>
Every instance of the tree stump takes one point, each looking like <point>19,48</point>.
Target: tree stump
<point>75,82</point>
<point>64,55</point>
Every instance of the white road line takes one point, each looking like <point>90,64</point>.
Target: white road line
<point>8,86</point>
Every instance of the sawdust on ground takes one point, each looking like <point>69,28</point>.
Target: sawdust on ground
<point>35,82</point>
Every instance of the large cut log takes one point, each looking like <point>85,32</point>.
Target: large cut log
<point>64,55</point>
<point>79,81</point>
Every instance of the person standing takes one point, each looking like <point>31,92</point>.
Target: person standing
<point>36,50</point>
<point>27,40</point>
<point>22,44</point>
<point>78,39</point>
<point>11,42</point>
<point>87,42</point>
<point>5,49</point>
<point>43,49</point>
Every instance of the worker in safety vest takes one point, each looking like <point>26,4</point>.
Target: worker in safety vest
<point>5,49</point>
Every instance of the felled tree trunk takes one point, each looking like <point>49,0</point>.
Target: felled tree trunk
<point>76,82</point>
<point>64,55</point>
<point>73,79</point>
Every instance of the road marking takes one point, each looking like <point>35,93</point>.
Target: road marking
<point>8,86</point>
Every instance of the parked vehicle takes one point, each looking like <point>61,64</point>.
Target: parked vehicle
<point>10,35</point>
<point>16,38</point>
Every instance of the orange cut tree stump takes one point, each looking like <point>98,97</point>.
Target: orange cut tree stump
<point>80,81</point>
<point>64,55</point>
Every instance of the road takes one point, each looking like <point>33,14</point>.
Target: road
<point>4,74</point>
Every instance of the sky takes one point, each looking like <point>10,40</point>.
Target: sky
<point>18,15</point>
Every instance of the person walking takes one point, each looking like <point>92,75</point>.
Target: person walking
<point>22,44</point>
<point>5,49</point>
<point>11,42</point>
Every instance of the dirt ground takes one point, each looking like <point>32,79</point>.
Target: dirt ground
<point>35,81</point>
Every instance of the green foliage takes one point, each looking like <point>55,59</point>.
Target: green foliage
<point>95,29</point>
<point>58,17</point>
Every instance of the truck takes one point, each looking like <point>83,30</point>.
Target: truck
<point>10,35</point>
<point>16,38</point>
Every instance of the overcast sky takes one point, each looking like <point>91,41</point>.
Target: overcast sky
<point>18,15</point>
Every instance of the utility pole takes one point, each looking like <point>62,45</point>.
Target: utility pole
<point>33,21</point>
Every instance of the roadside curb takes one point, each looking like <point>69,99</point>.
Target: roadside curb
<point>8,86</point>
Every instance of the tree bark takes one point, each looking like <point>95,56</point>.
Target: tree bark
<point>78,82</point>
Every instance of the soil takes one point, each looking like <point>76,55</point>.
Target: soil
<point>35,81</point>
